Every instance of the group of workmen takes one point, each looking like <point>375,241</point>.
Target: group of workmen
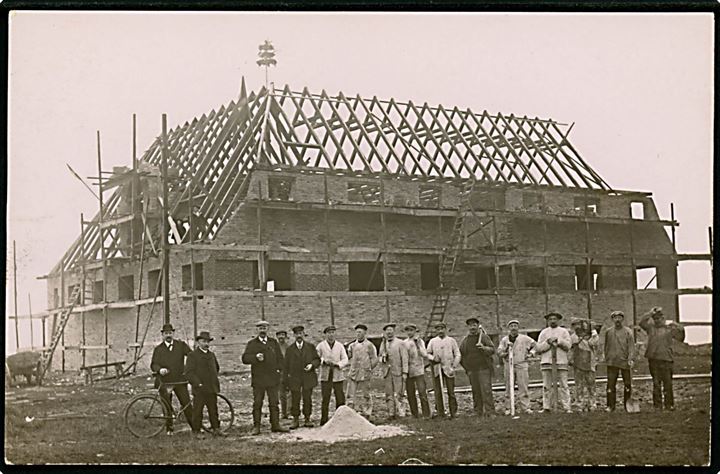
<point>282,370</point>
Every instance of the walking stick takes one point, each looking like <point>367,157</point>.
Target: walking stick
<point>511,367</point>
<point>554,374</point>
<point>442,389</point>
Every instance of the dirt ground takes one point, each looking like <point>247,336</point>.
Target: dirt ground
<point>65,422</point>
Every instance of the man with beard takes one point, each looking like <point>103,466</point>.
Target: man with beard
<point>476,351</point>
<point>168,363</point>
<point>553,345</point>
<point>265,359</point>
<point>363,359</point>
<point>301,360</point>
<point>521,346</point>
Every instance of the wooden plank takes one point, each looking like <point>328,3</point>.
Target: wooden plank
<point>467,145</point>
<point>398,137</point>
<point>537,153</point>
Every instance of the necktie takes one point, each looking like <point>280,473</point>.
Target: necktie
<point>170,347</point>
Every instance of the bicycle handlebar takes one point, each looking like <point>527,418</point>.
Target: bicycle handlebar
<point>157,374</point>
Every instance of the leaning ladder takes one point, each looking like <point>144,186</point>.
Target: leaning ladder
<point>46,358</point>
<point>449,260</point>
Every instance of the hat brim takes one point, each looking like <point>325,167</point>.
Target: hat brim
<point>209,339</point>
<point>559,316</point>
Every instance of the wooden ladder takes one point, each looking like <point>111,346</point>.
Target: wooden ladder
<point>46,358</point>
<point>449,260</point>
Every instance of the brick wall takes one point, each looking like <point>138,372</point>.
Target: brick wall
<point>403,276</point>
<point>311,276</point>
<point>417,232</point>
<point>617,277</point>
<point>650,238</point>
<point>609,238</point>
<point>229,274</point>
<point>355,229</point>
<point>528,235</point>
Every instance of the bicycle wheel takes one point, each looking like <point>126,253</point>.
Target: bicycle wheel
<point>145,415</point>
<point>226,414</point>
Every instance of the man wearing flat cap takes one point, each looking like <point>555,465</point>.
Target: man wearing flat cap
<point>301,360</point>
<point>521,346</point>
<point>553,346</point>
<point>201,371</point>
<point>476,351</point>
<point>168,365</point>
<point>283,391</point>
<point>363,359</point>
<point>394,369</point>
<point>417,359</point>
<point>443,350</point>
<point>333,359</point>
<point>659,353</point>
<point>617,347</point>
<point>265,359</point>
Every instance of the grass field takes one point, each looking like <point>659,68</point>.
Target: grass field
<point>93,432</point>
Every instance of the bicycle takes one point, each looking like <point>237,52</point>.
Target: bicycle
<point>147,413</point>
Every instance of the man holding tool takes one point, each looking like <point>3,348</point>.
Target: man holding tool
<point>553,346</point>
<point>443,350</point>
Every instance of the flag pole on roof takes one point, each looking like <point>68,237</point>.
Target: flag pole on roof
<point>266,54</point>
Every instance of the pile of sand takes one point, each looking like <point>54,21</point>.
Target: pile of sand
<point>346,424</point>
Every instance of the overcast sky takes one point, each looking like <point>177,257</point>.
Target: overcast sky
<point>638,87</point>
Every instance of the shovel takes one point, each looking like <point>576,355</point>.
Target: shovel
<point>633,404</point>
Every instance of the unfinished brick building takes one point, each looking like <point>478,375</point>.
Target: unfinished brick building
<point>319,209</point>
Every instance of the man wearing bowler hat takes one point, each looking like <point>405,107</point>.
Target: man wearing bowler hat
<point>301,361</point>
<point>202,371</point>
<point>333,359</point>
<point>553,345</point>
<point>168,365</point>
<point>265,359</point>
<point>363,359</point>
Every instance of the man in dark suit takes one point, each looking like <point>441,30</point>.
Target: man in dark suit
<point>301,360</point>
<point>168,363</point>
<point>202,370</point>
<point>265,358</point>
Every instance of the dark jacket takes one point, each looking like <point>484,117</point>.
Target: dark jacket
<point>201,369</point>
<point>265,373</point>
<point>660,339</point>
<point>295,362</point>
<point>174,361</point>
<point>473,358</point>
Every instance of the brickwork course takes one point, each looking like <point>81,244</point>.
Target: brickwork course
<point>348,206</point>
